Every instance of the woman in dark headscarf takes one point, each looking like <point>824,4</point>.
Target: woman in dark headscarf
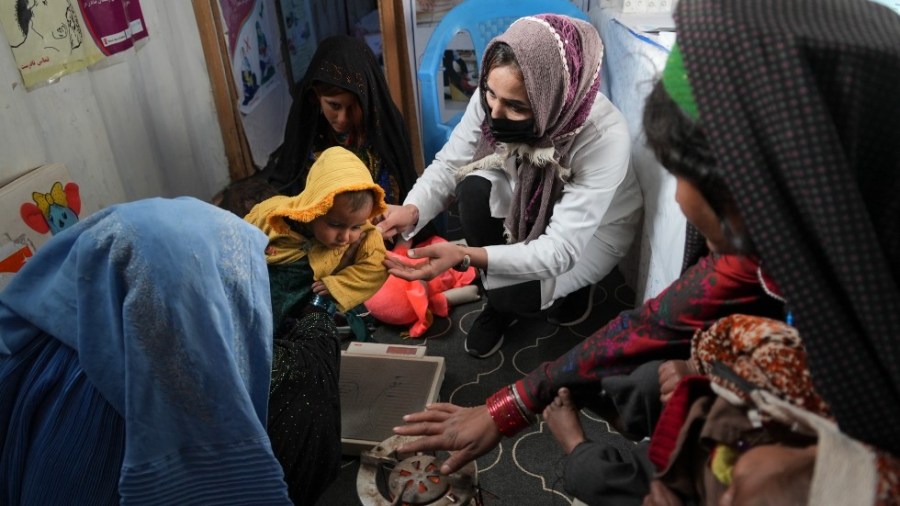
<point>342,100</point>
<point>804,123</point>
<point>798,101</point>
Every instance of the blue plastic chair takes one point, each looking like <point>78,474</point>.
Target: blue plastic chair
<point>482,20</point>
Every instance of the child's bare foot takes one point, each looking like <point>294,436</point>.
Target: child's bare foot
<point>562,418</point>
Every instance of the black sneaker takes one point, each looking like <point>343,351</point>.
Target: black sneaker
<point>486,333</point>
<point>575,307</point>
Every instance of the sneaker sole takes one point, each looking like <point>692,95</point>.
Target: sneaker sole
<point>492,350</point>
<point>486,355</point>
<point>587,311</point>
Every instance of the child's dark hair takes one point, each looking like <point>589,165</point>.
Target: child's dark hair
<point>356,199</point>
<point>680,145</point>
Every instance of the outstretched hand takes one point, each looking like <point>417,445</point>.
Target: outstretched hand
<point>438,258</point>
<point>467,432</point>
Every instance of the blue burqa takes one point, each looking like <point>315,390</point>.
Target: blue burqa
<point>135,357</point>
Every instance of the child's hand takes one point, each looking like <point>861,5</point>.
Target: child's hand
<point>319,288</point>
<point>670,373</point>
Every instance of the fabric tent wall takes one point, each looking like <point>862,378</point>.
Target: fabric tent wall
<point>142,126</point>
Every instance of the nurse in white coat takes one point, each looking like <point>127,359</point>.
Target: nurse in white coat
<point>540,168</point>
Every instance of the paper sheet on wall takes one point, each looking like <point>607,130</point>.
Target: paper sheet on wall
<point>114,25</point>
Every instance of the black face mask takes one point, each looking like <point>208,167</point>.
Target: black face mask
<point>507,130</point>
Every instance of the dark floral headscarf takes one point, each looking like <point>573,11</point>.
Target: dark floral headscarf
<point>799,100</point>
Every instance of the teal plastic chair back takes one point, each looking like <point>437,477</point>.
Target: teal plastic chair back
<point>482,20</point>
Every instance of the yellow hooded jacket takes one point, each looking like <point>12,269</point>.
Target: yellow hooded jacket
<point>337,170</point>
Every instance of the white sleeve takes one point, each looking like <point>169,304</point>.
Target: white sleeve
<point>435,188</point>
<point>600,161</point>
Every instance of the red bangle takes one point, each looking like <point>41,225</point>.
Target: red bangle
<point>505,413</point>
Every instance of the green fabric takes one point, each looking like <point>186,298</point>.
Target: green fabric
<point>675,81</point>
<point>291,287</point>
<point>358,319</point>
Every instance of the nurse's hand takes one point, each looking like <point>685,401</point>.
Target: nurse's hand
<point>426,262</point>
<point>397,220</point>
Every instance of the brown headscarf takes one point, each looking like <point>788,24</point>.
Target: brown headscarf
<point>560,61</point>
<point>799,101</point>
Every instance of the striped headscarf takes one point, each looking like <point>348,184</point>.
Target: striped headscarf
<point>799,101</point>
<point>560,61</point>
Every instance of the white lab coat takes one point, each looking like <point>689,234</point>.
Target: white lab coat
<point>592,226</point>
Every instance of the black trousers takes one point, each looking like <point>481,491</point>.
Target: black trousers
<point>480,229</point>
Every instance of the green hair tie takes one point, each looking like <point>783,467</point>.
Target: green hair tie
<point>676,83</point>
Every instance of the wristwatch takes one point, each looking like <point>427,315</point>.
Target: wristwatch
<point>463,264</point>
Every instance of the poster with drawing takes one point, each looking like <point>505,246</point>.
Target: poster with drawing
<point>34,208</point>
<point>252,35</point>
<point>52,38</point>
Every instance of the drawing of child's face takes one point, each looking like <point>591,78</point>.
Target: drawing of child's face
<point>57,23</point>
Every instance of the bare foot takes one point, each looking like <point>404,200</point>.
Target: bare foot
<point>561,416</point>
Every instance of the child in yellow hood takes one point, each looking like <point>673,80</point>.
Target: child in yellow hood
<point>320,244</point>
<point>324,232</point>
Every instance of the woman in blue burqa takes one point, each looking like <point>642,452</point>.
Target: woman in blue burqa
<point>135,363</point>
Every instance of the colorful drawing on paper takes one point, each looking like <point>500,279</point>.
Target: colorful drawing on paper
<point>53,212</point>
<point>50,213</point>
<point>33,209</point>
<point>14,253</point>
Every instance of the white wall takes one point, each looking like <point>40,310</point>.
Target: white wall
<point>144,126</point>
